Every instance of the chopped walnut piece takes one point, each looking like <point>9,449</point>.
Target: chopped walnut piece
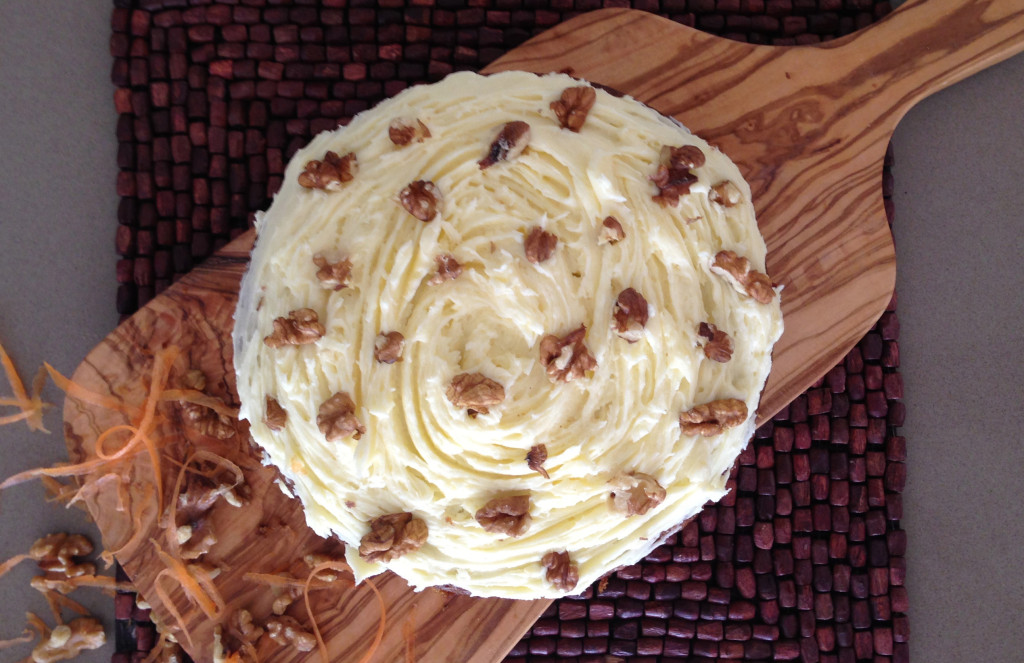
<point>333,275</point>
<point>714,417</point>
<point>636,493</point>
<point>283,601</point>
<point>56,553</point>
<point>506,515</point>
<point>474,392</point>
<point>510,142</point>
<point>276,417</point>
<point>673,176</point>
<point>611,231</point>
<point>573,106</point>
<point>330,173</point>
<point>302,326</point>
<point>562,572</point>
<point>285,630</point>
<point>566,358</point>
<point>539,245</point>
<point>630,315</point>
<point>726,194</point>
<point>336,418</point>
<point>201,492</point>
<point>199,542</point>
<point>718,346</point>
<point>754,283</point>
<point>536,458</point>
<point>448,268</point>
<point>67,641</point>
<point>402,132</point>
<point>241,622</point>
<point>392,536</point>
<point>201,418</point>
<point>421,199</point>
<point>388,347</point>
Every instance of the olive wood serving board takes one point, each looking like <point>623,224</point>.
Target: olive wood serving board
<point>808,127</point>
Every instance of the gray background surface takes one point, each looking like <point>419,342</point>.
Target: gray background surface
<point>959,206</point>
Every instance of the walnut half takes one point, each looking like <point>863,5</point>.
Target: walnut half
<point>421,199</point>
<point>391,536</point>
<point>566,358</point>
<point>718,346</point>
<point>333,275</point>
<point>636,493</point>
<point>611,231</point>
<point>67,641</point>
<point>475,392</point>
<point>573,106</point>
<point>630,315</point>
<point>757,285</point>
<point>387,349</point>
<point>510,142</point>
<point>562,572</point>
<point>536,458</point>
<point>714,417</point>
<point>276,416</point>
<point>674,176</point>
<point>506,515</point>
<point>402,132</point>
<point>302,326</point>
<point>330,173</point>
<point>539,245</point>
<point>448,268</point>
<point>336,418</point>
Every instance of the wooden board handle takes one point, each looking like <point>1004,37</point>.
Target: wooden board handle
<point>927,45</point>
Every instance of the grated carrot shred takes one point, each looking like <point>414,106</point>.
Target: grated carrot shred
<point>165,598</point>
<point>409,634</point>
<point>342,566</point>
<point>12,562</point>
<point>199,398</point>
<point>31,407</point>
<point>26,636</point>
<point>78,392</point>
<point>283,581</point>
<point>67,602</point>
<point>54,606</point>
<point>196,583</point>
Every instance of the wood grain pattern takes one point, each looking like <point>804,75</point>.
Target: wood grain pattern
<point>808,127</point>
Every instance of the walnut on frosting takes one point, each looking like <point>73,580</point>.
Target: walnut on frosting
<point>718,345</point>
<point>302,326</point>
<point>333,275</point>
<point>330,173</point>
<point>539,245</point>
<point>510,142</point>
<point>674,175</point>
<point>757,285</point>
<point>401,131</point>
<point>636,493</point>
<point>562,572</point>
<point>474,392</point>
<point>505,515</point>
<point>714,417</point>
<point>421,199</point>
<point>448,268</point>
<point>611,231</point>
<point>573,106</point>
<point>726,194</point>
<point>630,315</point>
<point>276,416</point>
<point>337,420</point>
<point>567,358</point>
<point>388,347</point>
<point>391,536</point>
<point>536,458</point>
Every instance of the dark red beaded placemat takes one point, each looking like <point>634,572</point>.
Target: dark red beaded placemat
<point>802,561</point>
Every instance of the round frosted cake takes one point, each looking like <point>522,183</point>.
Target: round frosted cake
<point>502,333</point>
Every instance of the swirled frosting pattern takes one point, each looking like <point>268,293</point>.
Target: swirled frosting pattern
<point>422,455</point>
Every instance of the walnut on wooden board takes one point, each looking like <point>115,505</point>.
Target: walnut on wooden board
<point>391,536</point>
<point>611,231</point>
<point>422,199</point>
<point>285,630</point>
<point>302,326</point>
<point>629,318</point>
<point>535,459</point>
<point>573,106</point>
<point>539,245</point>
<point>388,348</point>
<point>337,420</point>
<point>276,416</point>
<point>567,358</point>
<point>330,173</point>
<point>333,275</point>
<point>244,627</point>
<point>196,539</point>
<point>201,418</point>
<point>717,345</point>
<point>636,493</point>
<point>505,515</point>
<point>448,268</point>
<point>403,131</point>
<point>67,641</point>
<point>714,417</point>
<point>757,285</point>
<point>562,572</point>
<point>474,392</point>
<point>674,176</point>
<point>510,142</point>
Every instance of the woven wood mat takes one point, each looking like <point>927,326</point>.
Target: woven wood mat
<point>803,560</point>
